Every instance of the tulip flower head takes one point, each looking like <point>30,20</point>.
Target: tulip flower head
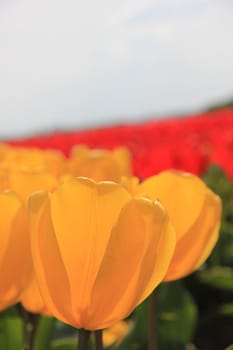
<point>195,213</point>
<point>97,251</point>
<point>33,159</point>
<point>99,164</point>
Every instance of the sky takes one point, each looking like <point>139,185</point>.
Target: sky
<point>72,63</point>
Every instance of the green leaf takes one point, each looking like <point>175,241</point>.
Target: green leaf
<point>11,330</point>
<point>43,333</point>
<point>137,337</point>
<point>217,180</point>
<point>177,316</point>
<point>218,277</point>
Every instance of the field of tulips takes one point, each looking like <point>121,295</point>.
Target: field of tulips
<point>122,232</point>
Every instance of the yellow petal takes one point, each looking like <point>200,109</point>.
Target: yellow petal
<point>14,248</point>
<point>83,213</point>
<point>99,164</point>
<point>123,160</point>
<point>193,249</point>
<point>131,184</point>
<point>32,159</point>
<point>4,148</point>
<point>31,298</point>
<point>48,264</point>
<point>136,259</point>
<point>4,181</point>
<point>27,182</point>
<point>182,194</point>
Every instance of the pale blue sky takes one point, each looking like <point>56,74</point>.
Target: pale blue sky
<point>67,63</point>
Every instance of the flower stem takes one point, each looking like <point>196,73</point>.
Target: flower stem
<point>83,339</point>
<point>152,339</point>
<point>99,340</point>
<point>32,324</point>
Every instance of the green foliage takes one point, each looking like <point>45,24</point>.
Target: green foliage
<point>11,330</point>
<point>217,277</point>
<point>43,333</point>
<point>177,316</point>
<point>137,337</point>
<point>212,285</point>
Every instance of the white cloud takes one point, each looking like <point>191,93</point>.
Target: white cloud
<point>73,62</point>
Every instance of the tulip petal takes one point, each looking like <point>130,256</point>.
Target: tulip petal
<point>83,213</point>
<point>193,249</point>
<point>136,259</point>
<point>13,260</point>
<point>182,194</point>
<point>31,298</point>
<point>123,161</point>
<point>48,264</point>
<point>131,184</point>
<point>100,164</point>
<point>27,182</point>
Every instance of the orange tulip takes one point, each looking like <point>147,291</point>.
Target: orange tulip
<point>195,213</point>
<point>99,164</point>
<point>3,179</point>
<point>97,252</point>
<point>34,159</point>
<point>13,249</point>
<point>24,183</point>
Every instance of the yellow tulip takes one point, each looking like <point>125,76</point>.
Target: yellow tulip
<point>131,184</point>
<point>4,183</point>
<point>25,182</point>
<point>99,164</point>
<point>195,213</point>
<point>97,252</point>
<point>20,158</point>
<point>13,249</point>
<point>4,148</point>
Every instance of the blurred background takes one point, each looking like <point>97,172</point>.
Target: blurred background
<point>74,64</point>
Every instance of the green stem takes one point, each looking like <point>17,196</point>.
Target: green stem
<point>32,324</point>
<point>99,340</point>
<point>83,339</point>
<point>24,317</point>
<point>42,336</point>
<point>152,320</point>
